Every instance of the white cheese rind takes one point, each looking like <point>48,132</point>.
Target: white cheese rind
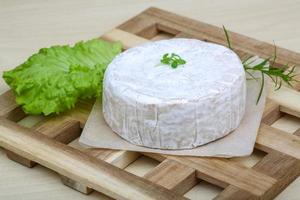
<point>156,106</point>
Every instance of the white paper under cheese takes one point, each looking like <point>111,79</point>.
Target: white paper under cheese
<point>156,106</point>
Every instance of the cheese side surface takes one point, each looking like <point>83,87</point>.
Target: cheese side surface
<point>154,105</point>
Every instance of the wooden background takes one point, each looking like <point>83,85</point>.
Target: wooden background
<point>26,26</point>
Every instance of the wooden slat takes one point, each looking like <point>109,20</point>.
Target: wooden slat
<point>9,108</point>
<point>76,185</point>
<point>138,24</point>
<point>155,156</point>
<point>297,132</point>
<point>62,129</point>
<point>271,139</point>
<point>290,111</point>
<point>19,159</point>
<point>169,174</point>
<point>282,167</point>
<point>271,112</point>
<point>223,172</point>
<point>286,97</point>
<point>119,159</point>
<point>173,176</point>
<point>162,36</point>
<point>285,169</point>
<point>81,111</point>
<point>149,32</point>
<point>128,40</point>
<point>232,192</point>
<point>72,163</point>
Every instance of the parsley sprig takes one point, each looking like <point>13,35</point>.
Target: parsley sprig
<point>172,59</point>
<point>267,68</point>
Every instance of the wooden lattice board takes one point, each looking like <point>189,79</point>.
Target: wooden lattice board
<point>98,169</point>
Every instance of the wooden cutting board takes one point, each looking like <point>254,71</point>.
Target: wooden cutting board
<point>98,169</point>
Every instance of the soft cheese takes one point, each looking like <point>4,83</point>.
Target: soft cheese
<point>153,105</point>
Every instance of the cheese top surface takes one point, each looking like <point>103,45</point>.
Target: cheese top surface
<point>209,70</point>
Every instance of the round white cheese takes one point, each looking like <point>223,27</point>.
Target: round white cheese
<point>154,105</point>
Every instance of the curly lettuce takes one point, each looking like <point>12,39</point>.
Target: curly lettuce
<point>52,80</point>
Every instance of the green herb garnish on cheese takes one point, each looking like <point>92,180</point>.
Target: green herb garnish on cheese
<point>52,80</point>
<point>172,59</point>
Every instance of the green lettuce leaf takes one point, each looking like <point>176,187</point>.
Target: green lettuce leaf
<point>52,80</point>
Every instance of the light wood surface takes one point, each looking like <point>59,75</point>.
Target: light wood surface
<point>28,27</point>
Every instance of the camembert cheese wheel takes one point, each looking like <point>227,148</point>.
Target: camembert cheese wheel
<point>154,105</point>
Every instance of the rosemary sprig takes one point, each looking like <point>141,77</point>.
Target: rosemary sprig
<point>172,59</point>
<point>277,75</point>
<point>227,38</point>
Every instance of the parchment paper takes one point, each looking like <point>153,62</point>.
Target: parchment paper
<point>240,142</point>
